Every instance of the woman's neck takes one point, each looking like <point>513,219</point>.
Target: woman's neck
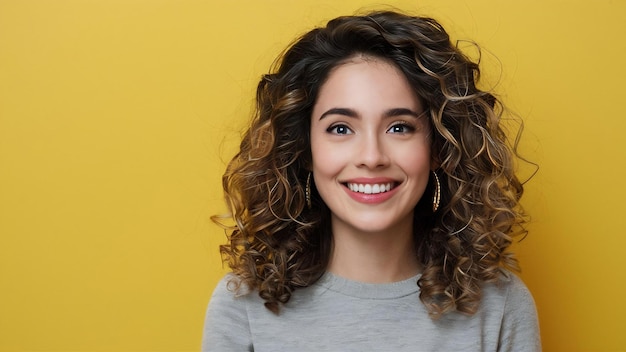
<point>381,257</point>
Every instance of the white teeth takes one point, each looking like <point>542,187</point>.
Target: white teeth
<point>370,189</point>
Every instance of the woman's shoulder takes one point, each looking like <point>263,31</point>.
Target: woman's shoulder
<point>510,288</point>
<point>511,302</point>
<point>520,320</point>
<point>507,295</point>
<point>231,288</point>
<point>226,325</point>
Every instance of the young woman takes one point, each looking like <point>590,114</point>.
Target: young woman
<point>375,200</point>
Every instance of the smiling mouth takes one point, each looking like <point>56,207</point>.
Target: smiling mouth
<point>371,188</point>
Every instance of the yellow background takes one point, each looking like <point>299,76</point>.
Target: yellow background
<point>117,116</point>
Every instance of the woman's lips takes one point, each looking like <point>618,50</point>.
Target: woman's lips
<point>371,191</point>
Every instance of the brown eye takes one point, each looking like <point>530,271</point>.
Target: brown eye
<point>339,129</point>
<point>401,128</point>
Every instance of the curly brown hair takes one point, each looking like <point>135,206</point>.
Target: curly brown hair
<point>278,244</point>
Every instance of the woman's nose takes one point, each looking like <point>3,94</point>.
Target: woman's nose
<point>372,153</point>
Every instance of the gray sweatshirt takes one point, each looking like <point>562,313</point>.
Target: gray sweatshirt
<point>336,314</point>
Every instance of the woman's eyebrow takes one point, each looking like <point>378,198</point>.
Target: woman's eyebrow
<point>340,111</point>
<point>401,112</point>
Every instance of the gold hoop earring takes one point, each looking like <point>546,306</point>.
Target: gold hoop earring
<point>307,191</point>
<point>436,193</point>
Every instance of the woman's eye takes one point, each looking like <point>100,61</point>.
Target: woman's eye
<point>339,129</point>
<point>401,128</point>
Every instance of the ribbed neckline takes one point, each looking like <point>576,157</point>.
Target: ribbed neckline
<point>358,289</point>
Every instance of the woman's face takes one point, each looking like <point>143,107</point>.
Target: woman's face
<point>370,146</point>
